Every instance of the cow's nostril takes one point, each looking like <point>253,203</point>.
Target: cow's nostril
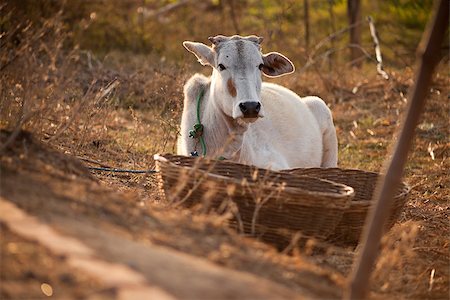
<point>243,107</point>
<point>250,109</point>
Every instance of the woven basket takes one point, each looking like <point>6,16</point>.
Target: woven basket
<point>349,229</point>
<point>282,201</point>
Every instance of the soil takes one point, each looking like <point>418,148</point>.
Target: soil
<point>60,191</point>
<point>27,267</point>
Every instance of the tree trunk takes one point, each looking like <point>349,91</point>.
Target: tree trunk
<point>233,17</point>
<point>354,17</point>
<point>333,30</point>
<point>306,21</point>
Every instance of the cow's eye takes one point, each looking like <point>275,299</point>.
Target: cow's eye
<point>221,67</point>
<point>261,66</point>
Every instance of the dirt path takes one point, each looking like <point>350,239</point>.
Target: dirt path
<point>130,267</point>
<point>75,255</point>
<point>25,272</point>
<point>94,228</point>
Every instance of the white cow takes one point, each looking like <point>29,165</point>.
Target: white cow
<point>250,121</point>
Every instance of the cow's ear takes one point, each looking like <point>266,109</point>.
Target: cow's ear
<point>218,39</point>
<point>204,53</point>
<point>255,39</point>
<point>276,64</point>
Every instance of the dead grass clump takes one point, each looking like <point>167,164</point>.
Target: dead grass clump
<point>83,104</point>
<point>42,91</point>
<point>397,251</point>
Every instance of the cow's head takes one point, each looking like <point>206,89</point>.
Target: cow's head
<point>237,63</point>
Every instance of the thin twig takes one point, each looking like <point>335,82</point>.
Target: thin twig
<point>431,282</point>
<point>259,203</point>
<point>94,162</point>
<point>203,176</point>
<point>324,55</point>
<point>373,33</point>
<point>75,111</point>
<point>16,130</point>
<point>163,10</point>
<point>293,243</point>
<point>101,94</point>
<point>333,36</point>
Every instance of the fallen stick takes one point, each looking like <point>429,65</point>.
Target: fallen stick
<point>93,162</point>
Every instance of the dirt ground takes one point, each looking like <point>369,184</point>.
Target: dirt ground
<point>67,191</point>
<point>26,267</point>
<point>48,179</point>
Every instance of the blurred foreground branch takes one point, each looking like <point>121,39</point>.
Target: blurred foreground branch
<point>428,59</point>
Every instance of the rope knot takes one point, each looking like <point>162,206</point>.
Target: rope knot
<point>197,132</point>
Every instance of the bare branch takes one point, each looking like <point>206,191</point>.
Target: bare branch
<point>101,94</point>
<point>163,10</point>
<point>311,61</point>
<point>334,35</point>
<point>311,57</point>
<point>373,33</point>
<point>94,162</point>
<point>22,120</point>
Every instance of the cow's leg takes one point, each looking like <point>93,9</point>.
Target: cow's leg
<point>325,121</point>
<point>330,146</point>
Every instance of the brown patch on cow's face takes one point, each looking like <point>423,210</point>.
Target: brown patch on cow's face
<point>231,88</point>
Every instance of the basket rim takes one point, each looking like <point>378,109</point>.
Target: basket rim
<point>332,168</point>
<point>405,187</point>
<point>344,190</point>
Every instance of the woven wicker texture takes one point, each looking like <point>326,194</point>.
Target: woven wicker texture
<point>262,201</point>
<point>349,229</point>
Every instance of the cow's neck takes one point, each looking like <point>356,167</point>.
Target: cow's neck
<point>223,135</point>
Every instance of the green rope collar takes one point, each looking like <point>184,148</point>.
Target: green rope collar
<point>197,132</point>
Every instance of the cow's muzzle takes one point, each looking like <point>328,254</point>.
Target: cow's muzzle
<point>250,109</point>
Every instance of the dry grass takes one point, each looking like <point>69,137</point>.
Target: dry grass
<point>120,110</point>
